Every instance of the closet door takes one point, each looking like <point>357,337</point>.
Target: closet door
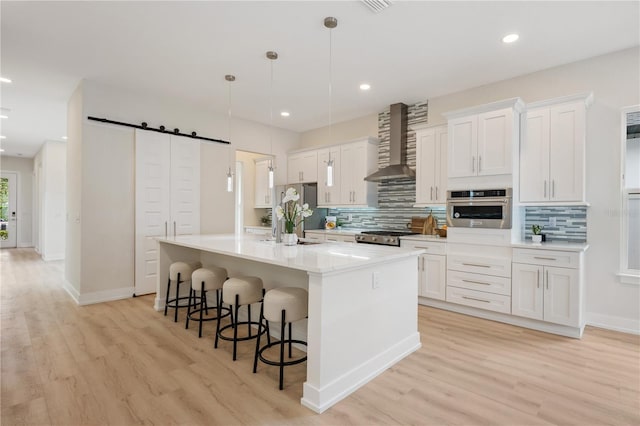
<point>185,186</point>
<point>153,164</point>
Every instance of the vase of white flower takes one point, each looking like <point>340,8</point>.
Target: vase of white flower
<point>292,214</point>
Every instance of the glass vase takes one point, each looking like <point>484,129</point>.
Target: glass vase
<point>289,239</point>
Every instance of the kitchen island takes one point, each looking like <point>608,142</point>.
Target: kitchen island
<point>362,301</point>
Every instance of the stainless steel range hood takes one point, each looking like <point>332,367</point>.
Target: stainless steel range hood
<point>397,168</point>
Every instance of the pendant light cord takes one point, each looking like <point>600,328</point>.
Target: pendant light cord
<point>330,85</point>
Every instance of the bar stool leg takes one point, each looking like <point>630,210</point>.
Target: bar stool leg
<point>219,309</point>
<point>175,317</point>
<point>166,299</point>
<point>255,357</point>
<point>290,338</point>
<point>203,298</point>
<point>249,320</point>
<point>235,328</point>
<point>282,339</point>
<point>192,293</point>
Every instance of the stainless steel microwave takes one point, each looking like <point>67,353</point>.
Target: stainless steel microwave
<point>483,208</point>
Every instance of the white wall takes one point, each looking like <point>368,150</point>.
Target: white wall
<point>101,198</point>
<point>53,200</point>
<point>24,169</point>
<point>614,80</point>
<point>341,132</point>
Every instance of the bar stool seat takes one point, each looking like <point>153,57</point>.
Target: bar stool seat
<point>236,292</point>
<point>284,305</point>
<point>179,272</point>
<point>203,280</point>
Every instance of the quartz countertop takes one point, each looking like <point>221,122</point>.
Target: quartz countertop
<point>315,258</point>
<point>553,245</point>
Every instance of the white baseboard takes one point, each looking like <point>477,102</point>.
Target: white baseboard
<point>72,291</point>
<point>23,245</point>
<point>58,256</point>
<point>97,296</point>
<point>319,400</point>
<point>609,322</point>
<point>106,295</point>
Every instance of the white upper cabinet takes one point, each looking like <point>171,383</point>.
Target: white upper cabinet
<point>262,190</point>
<point>302,167</point>
<point>483,140</point>
<point>431,165</point>
<point>358,160</point>
<point>482,144</point>
<point>552,153</point>
<point>329,195</point>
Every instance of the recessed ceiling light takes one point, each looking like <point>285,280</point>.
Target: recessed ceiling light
<point>3,137</point>
<point>3,116</point>
<point>64,138</point>
<point>5,80</point>
<point>510,38</point>
<point>365,86</point>
<point>285,113</point>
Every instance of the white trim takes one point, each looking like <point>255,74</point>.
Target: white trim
<point>106,295</point>
<point>319,400</point>
<point>624,230</point>
<point>609,322</point>
<point>626,278</point>
<point>586,97</point>
<point>563,330</point>
<point>516,103</point>
<point>75,295</point>
<point>57,256</point>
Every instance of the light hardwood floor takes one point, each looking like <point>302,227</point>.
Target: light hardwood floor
<point>122,363</point>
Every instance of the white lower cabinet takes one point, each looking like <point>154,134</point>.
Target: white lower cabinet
<point>330,236</point>
<point>432,268</point>
<point>547,293</point>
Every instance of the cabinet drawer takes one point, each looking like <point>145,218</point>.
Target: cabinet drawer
<point>429,247</point>
<point>479,299</point>
<point>563,259</point>
<point>498,266</point>
<point>488,283</point>
<point>341,238</point>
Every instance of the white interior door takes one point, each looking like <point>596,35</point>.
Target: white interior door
<point>153,165</point>
<point>8,209</point>
<point>185,186</point>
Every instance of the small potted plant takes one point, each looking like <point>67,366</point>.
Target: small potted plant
<point>537,233</point>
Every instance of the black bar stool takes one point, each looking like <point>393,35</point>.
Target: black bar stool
<point>179,272</point>
<point>203,280</point>
<point>285,305</point>
<point>236,292</point>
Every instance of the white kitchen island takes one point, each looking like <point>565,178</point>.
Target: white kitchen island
<point>363,301</point>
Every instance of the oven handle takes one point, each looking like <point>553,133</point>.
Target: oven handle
<point>472,201</point>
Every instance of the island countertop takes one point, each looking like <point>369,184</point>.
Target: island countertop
<point>314,258</point>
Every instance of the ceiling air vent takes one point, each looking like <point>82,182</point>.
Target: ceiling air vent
<point>377,5</point>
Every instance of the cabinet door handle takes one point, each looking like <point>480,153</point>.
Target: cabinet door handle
<point>423,263</point>
<point>174,228</point>
<point>538,279</point>
<point>165,229</point>
<point>473,164</point>
<point>420,247</point>
<point>477,265</point>
<point>436,193</point>
<point>545,188</point>
<point>553,188</point>
<point>475,282</point>
<point>547,278</point>
<point>544,258</point>
<point>477,300</point>
<point>479,163</point>
<point>354,196</point>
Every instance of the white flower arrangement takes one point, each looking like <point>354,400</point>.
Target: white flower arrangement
<point>292,213</point>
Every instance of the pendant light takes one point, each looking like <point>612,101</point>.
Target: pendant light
<point>272,56</point>
<point>230,78</point>
<point>330,22</point>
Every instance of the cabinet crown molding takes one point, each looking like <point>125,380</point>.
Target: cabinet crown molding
<point>587,98</point>
<point>516,103</point>
<point>369,139</point>
<point>424,126</point>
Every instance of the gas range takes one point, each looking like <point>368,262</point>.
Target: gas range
<point>387,238</point>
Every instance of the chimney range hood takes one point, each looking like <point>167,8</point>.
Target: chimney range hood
<point>397,168</point>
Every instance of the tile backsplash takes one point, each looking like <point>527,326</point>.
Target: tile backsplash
<point>570,226</point>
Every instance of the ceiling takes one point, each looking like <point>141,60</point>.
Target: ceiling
<point>412,51</point>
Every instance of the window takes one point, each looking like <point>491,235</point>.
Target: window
<point>630,238</point>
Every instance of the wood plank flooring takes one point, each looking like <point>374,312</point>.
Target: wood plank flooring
<point>122,363</point>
